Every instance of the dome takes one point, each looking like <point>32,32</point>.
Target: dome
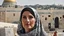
<point>9,0</point>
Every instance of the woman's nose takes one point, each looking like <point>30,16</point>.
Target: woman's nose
<point>28,20</point>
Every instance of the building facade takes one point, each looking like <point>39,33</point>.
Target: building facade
<point>53,17</point>
<point>9,12</point>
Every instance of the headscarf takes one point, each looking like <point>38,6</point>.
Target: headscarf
<point>38,29</point>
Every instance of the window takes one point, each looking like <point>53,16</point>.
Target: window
<point>49,25</point>
<point>63,16</point>
<point>60,17</point>
<point>45,18</point>
<point>13,14</point>
<point>42,16</point>
<point>49,15</point>
<point>53,18</point>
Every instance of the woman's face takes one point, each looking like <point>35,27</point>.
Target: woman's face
<point>28,20</point>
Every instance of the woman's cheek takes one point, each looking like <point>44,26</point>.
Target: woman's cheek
<point>33,22</point>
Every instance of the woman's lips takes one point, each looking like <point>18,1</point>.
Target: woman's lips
<point>27,24</point>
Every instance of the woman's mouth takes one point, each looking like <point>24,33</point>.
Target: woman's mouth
<point>27,24</point>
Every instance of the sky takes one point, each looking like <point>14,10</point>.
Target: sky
<point>41,2</point>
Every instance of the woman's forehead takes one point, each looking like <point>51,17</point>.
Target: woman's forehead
<point>26,13</point>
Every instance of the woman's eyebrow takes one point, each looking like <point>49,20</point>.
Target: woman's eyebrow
<point>31,15</point>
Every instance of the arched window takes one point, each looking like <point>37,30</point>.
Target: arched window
<point>45,18</point>
<point>63,16</point>
<point>13,14</point>
<point>49,15</point>
<point>60,17</point>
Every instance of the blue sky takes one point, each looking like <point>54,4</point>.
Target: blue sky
<point>42,2</point>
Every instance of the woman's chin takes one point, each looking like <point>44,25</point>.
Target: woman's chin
<point>28,27</point>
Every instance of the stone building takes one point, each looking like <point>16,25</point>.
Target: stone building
<point>10,12</point>
<point>53,17</point>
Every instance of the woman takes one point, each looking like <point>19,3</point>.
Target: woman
<point>30,23</point>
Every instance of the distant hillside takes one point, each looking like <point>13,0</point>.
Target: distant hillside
<point>46,6</point>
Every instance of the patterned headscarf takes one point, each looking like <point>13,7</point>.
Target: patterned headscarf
<point>38,29</point>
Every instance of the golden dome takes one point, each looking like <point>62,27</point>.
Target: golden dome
<point>9,0</point>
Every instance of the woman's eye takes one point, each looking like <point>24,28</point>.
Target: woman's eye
<point>24,17</point>
<point>30,17</point>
